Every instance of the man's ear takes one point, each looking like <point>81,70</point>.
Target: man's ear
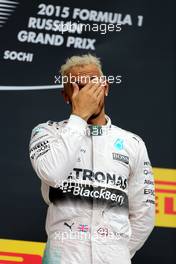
<point>106,88</point>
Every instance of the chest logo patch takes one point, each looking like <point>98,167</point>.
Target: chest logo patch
<point>119,144</point>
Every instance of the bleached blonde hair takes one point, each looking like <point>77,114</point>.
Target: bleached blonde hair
<point>81,60</point>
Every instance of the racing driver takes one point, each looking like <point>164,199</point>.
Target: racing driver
<point>95,177</point>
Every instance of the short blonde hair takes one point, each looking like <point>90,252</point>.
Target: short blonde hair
<point>81,60</point>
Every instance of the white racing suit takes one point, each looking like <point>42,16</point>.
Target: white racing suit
<point>98,184</point>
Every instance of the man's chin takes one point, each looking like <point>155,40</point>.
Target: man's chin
<point>94,116</point>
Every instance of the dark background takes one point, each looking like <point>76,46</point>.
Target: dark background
<point>143,103</point>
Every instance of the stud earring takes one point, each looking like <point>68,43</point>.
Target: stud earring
<point>67,102</point>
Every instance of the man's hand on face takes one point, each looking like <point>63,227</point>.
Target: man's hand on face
<point>86,101</point>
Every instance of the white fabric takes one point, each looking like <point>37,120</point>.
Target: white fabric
<point>98,184</point>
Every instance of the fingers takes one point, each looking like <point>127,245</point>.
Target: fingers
<point>99,90</point>
<point>92,85</point>
<point>96,90</point>
<point>89,85</point>
<point>93,88</point>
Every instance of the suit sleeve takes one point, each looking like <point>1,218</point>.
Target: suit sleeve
<point>53,150</point>
<point>141,200</point>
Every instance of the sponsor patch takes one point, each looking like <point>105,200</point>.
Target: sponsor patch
<point>122,158</point>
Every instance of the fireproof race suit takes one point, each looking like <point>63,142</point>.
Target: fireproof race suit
<point>99,187</point>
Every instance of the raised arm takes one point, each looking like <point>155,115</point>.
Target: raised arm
<point>53,150</point>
